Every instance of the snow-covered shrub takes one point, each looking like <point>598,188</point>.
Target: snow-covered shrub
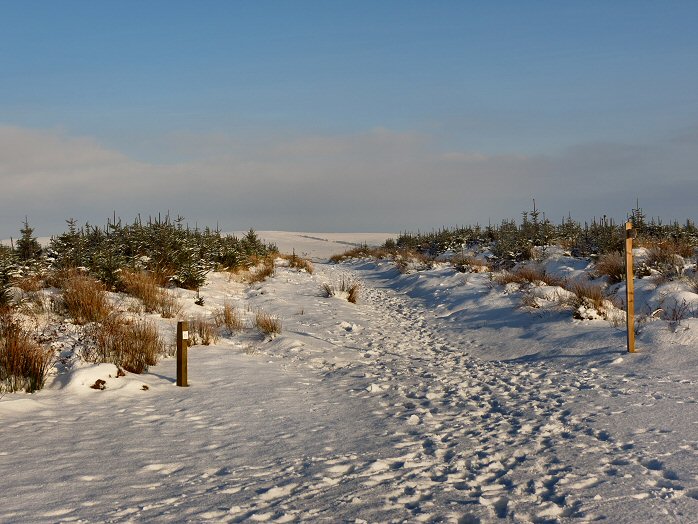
<point>530,300</point>
<point>511,245</point>
<point>166,247</point>
<point>676,311</point>
<point>469,264</point>
<point>408,261</point>
<point>590,302</point>
<point>24,363</point>
<point>664,258</point>
<point>190,273</point>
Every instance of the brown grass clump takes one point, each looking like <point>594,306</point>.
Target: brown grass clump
<point>660,255</point>
<point>353,293</point>
<point>130,344</point>
<point>202,330</point>
<point>363,251</point>
<point>57,278</point>
<point>229,317</point>
<point>267,324</point>
<point>355,252</point>
<point>85,298</point>
<point>587,294</point>
<point>665,258</point>
<point>666,248</point>
<point>469,264</point>
<point>145,286</point>
<point>346,288</point>
<point>169,306</point>
<point>300,263</point>
<point>24,363</point>
<point>406,260</point>
<point>142,285</point>
<point>29,284</point>
<point>529,273</point>
<point>612,266</point>
<point>261,272</point>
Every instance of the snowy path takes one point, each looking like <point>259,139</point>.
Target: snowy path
<point>494,440</point>
<point>377,411</point>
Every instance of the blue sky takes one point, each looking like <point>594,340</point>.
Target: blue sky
<point>346,115</point>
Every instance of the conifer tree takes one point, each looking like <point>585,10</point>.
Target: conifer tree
<point>6,264</point>
<point>28,248</point>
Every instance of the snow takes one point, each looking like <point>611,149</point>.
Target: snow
<point>318,246</point>
<point>437,397</point>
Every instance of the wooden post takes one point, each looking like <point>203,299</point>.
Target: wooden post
<point>182,344</point>
<point>630,233</point>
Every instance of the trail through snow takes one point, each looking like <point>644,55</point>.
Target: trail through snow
<point>380,411</point>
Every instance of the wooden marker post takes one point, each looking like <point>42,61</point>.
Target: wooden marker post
<point>182,344</point>
<point>630,233</point>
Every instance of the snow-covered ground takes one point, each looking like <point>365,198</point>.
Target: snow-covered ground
<point>319,246</point>
<point>437,397</point>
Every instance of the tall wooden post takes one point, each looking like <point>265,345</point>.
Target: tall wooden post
<point>630,233</point>
<point>182,344</point>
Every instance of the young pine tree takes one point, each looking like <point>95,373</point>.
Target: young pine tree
<point>6,265</point>
<point>28,248</point>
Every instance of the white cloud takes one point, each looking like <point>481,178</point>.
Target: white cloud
<point>375,180</point>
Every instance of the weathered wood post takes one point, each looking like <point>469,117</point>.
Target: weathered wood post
<point>182,344</point>
<point>630,233</point>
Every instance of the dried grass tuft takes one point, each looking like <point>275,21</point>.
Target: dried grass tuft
<point>353,293</point>
<point>24,363</point>
<point>267,324</point>
<point>362,251</point>
<point>262,271</point>
<point>407,260</point>
<point>346,289</point>
<point>85,298</point>
<point>30,283</point>
<point>299,263</point>
<point>529,274</point>
<point>130,344</point>
<point>229,317</point>
<point>145,286</point>
<point>668,257</point>
<point>202,331</point>
<point>470,264</point>
<point>587,294</point>
<point>612,266</point>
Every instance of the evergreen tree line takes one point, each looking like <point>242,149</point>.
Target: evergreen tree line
<point>513,242</point>
<point>167,247</point>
